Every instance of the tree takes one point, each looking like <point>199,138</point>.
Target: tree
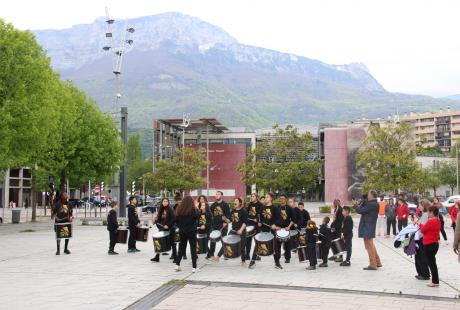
<point>136,170</point>
<point>448,174</point>
<point>182,172</point>
<point>432,179</point>
<point>388,157</point>
<point>134,148</point>
<point>282,160</point>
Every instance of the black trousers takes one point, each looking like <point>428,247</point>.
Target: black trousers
<point>191,238</point>
<point>453,225</point>
<point>277,250</point>
<point>212,246</point>
<point>132,238</point>
<point>391,224</point>
<point>58,244</point>
<point>430,254</point>
<point>421,265</point>
<point>348,246</point>
<point>311,249</point>
<point>443,231</point>
<point>401,224</point>
<point>325,247</point>
<point>113,239</point>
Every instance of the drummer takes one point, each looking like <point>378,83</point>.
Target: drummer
<point>220,219</point>
<point>205,221</point>
<point>165,222</point>
<point>133,222</point>
<point>112,227</point>
<point>253,209</point>
<point>62,213</point>
<point>239,220</point>
<point>269,222</point>
<point>287,222</point>
<point>302,217</point>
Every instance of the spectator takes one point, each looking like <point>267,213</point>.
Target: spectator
<point>456,245</point>
<point>421,265</point>
<point>430,231</point>
<point>390,213</point>
<point>402,213</point>
<point>381,217</point>
<point>453,213</point>
<point>369,210</point>
<point>437,204</point>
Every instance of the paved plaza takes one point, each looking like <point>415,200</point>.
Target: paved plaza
<point>32,277</point>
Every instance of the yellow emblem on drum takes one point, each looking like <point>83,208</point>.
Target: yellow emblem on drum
<point>302,240</point>
<point>65,231</point>
<point>262,249</point>
<point>157,245</point>
<point>283,215</point>
<point>228,252</point>
<point>267,214</point>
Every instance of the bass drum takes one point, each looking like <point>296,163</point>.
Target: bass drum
<point>302,254</point>
<point>264,243</point>
<point>293,239</point>
<point>215,235</point>
<point>301,237</point>
<point>338,246</point>
<point>250,231</point>
<point>63,230</point>
<point>142,234</point>
<point>161,242</point>
<point>232,246</point>
<point>122,235</point>
<point>201,244</point>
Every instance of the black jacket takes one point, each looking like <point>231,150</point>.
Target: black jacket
<point>302,218</point>
<point>166,217</point>
<point>337,223</point>
<point>286,216</point>
<point>347,229</point>
<point>188,223</point>
<point>325,234</point>
<point>269,216</point>
<point>112,223</point>
<point>253,212</point>
<point>133,218</point>
<point>219,210</point>
<point>206,220</point>
<point>312,236</point>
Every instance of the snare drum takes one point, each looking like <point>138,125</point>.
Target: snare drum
<point>232,246</point>
<point>122,235</point>
<point>63,230</point>
<point>264,243</point>
<point>142,233</point>
<point>293,239</point>
<point>302,253</point>
<point>302,237</point>
<point>250,231</point>
<point>338,246</point>
<point>215,235</point>
<point>282,235</point>
<point>201,244</point>
<point>161,241</point>
<point>176,236</point>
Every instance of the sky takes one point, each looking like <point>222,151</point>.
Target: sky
<point>409,46</point>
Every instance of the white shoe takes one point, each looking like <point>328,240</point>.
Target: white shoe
<point>193,270</point>
<point>177,268</point>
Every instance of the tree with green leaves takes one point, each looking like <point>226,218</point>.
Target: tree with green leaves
<point>388,157</point>
<point>182,172</point>
<point>134,148</point>
<point>432,179</point>
<point>282,160</point>
<point>448,174</point>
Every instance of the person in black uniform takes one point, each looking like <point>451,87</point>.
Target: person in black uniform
<point>165,222</point>
<point>325,236</point>
<point>239,220</point>
<point>187,216</point>
<point>177,201</point>
<point>133,222</point>
<point>220,219</point>
<point>62,213</point>
<point>112,227</point>
<point>312,237</point>
<point>302,217</point>
<point>347,231</point>
<point>205,221</point>
<point>287,218</point>
<point>269,222</point>
<point>253,209</point>
<point>336,227</point>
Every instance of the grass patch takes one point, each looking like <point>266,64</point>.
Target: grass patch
<point>175,282</point>
<point>26,230</point>
<point>325,209</point>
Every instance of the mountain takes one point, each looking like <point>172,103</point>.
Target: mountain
<point>182,64</point>
<point>453,97</point>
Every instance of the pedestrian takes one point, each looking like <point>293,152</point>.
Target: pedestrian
<point>312,237</point>
<point>437,204</point>
<point>381,219</point>
<point>336,227</point>
<point>177,201</point>
<point>421,264</point>
<point>325,236</point>
<point>165,222</point>
<point>369,210</point>
<point>133,223</point>
<point>112,227</point>
<point>390,214</point>
<point>187,216</point>
<point>430,231</point>
<point>347,233</point>
<point>402,213</point>
<point>453,213</point>
<point>456,244</point>
<point>62,213</point>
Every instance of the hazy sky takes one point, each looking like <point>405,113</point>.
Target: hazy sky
<point>410,46</point>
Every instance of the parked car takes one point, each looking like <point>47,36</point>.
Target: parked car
<point>76,203</point>
<point>412,208</point>
<point>93,202</point>
<point>155,205</point>
<point>450,201</point>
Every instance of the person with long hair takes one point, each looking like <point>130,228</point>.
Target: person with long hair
<point>165,222</point>
<point>253,210</point>
<point>187,216</point>
<point>421,265</point>
<point>430,231</point>
<point>62,213</point>
<point>204,223</point>
<point>437,204</point>
<point>390,213</point>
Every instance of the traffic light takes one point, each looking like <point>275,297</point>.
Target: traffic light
<point>133,187</point>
